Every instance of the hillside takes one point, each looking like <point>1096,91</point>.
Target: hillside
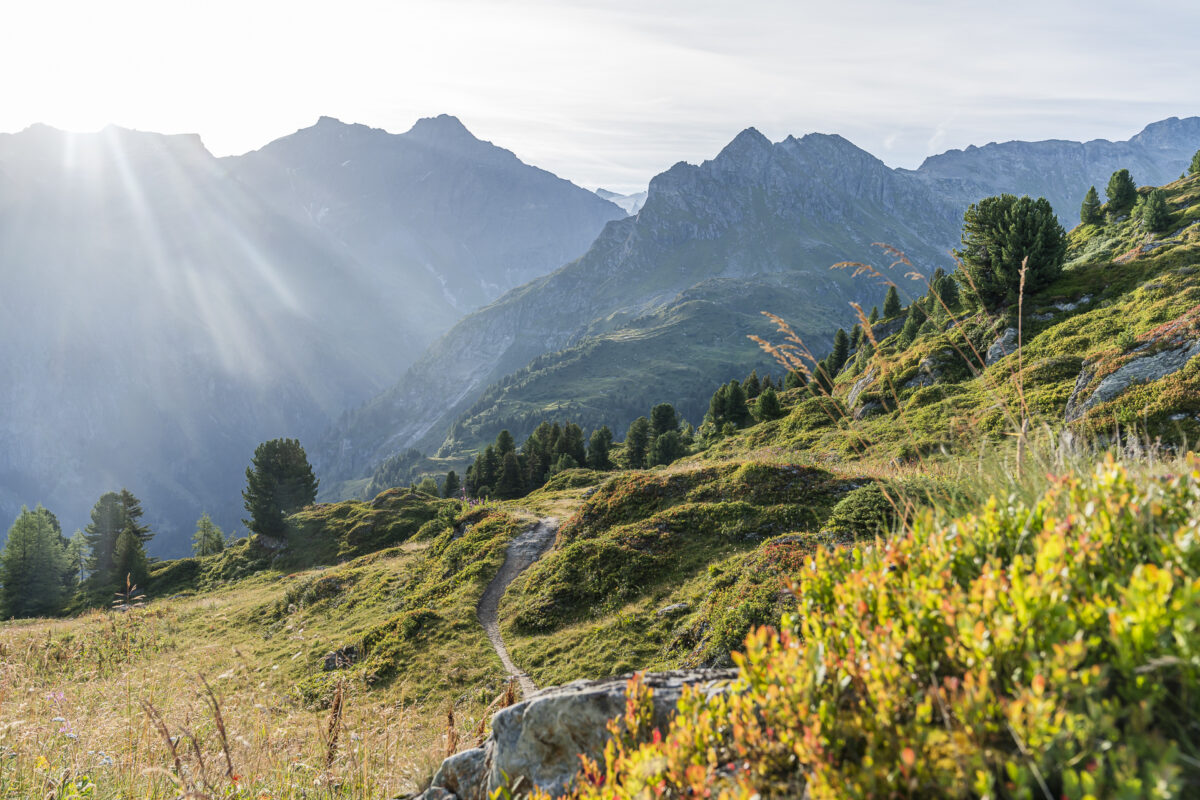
<point>164,311</point>
<point>759,219</point>
<point>999,577</point>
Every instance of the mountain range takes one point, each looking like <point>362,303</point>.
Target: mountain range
<point>163,310</point>
<point>659,307</point>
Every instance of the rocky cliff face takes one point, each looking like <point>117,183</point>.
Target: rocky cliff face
<point>163,311</point>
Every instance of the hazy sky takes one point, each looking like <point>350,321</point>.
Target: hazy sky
<point>607,93</point>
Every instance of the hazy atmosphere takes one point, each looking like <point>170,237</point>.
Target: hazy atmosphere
<point>606,93</point>
<point>515,400</point>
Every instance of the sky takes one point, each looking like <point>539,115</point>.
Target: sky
<point>606,93</point>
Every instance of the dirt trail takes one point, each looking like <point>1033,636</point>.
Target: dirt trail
<point>522,552</point>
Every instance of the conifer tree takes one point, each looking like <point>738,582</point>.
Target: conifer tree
<point>751,386</point>
<point>637,443</point>
<point>912,323</point>
<point>873,317</point>
<point>856,335</point>
<point>131,507</point>
<point>108,519</point>
<point>451,486</point>
<point>1194,169</point>
<point>841,351</point>
<point>665,448</point>
<point>794,380</point>
<point>490,470</point>
<point>1089,212</point>
<point>1155,215</point>
<point>77,557</point>
<point>428,485</point>
<point>129,559</point>
<point>718,405</point>
<point>891,303</point>
<point>505,443</point>
<point>599,447</point>
<point>736,410</point>
<point>208,538</point>
<point>32,566</point>
<point>571,444</point>
<point>510,483</point>
<point>1121,191</point>
<point>663,419</point>
<point>1002,233</point>
<point>766,407</point>
<point>564,462</point>
<point>948,291</point>
<point>279,482</point>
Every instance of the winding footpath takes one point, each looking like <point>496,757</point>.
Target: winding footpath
<point>522,552</point>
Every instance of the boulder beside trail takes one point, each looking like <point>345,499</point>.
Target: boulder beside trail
<point>538,741</point>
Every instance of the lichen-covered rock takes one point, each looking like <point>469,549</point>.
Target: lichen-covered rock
<point>464,775</point>
<point>672,610</point>
<point>1143,369</point>
<point>1005,343</point>
<point>860,386</point>
<point>537,742</point>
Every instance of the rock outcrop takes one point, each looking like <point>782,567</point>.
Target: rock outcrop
<point>538,741</point>
<point>1143,369</point>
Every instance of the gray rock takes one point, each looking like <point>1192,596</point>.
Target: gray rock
<point>1144,369</point>
<point>1087,298</point>
<point>860,386</point>
<point>464,774</point>
<point>1005,344</point>
<point>867,409</point>
<point>538,741</point>
<point>672,610</point>
<point>342,658</point>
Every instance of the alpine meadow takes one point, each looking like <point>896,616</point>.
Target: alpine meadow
<point>378,463</point>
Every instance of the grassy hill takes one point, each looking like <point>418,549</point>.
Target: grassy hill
<point>960,602</point>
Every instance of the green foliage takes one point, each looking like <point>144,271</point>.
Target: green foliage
<point>428,485</point>
<point>279,482</point>
<point>1155,215</point>
<point>665,448</point>
<point>510,484</point>
<point>1121,191</point>
<point>637,443</point>
<point>208,538</point>
<point>840,352</point>
<point>129,561</point>
<point>766,407</point>
<point>999,234</point>
<point>1031,649</point>
<point>599,447</point>
<point>1090,212</point>
<point>663,418</point>
<point>114,514</point>
<point>1194,167</point>
<point>912,323</point>
<point>752,386</point>
<point>891,304</point>
<point>864,513</point>
<point>451,486</point>
<point>32,567</point>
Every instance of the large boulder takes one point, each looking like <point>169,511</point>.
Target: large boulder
<point>538,741</point>
<point>1143,369</point>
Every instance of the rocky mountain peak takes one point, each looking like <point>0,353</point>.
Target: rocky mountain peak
<point>442,129</point>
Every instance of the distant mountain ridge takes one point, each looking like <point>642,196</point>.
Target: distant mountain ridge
<point>758,213</point>
<point>163,310</point>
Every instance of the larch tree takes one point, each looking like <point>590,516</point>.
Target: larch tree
<point>208,539</point>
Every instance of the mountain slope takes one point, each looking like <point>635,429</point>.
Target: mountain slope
<point>164,311</point>
<point>759,211</point>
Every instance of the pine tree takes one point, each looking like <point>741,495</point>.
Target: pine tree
<point>891,303</point>
<point>491,468</point>
<point>1194,169</point>
<point>736,410</point>
<point>428,485</point>
<point>31,567</point>
<point>665,448</point>
<point>129,560</point>
<point>599,447</point>
<point>912,323</point>
<point>841,351</point>
<point>1089,212</point>
<point>948,291</point>
<point>1121,191</point>
<point>279,482</point>
<point>77,557</point>
<point>794,380</point>
<point>718,405</point>
<point>572,444</point>
<point>663,419</point>
<point>563,463</point>
<point>766,408</point>
<point>1002,233</point>
<point>208,538</point>
<point>874,315</point>
<point>856,336</point>
<point>451,486</point>
<point>510,484</point>
<point>1155,215</point>
<point>131,507</point>
<point>751,385</point>
<point>637,442</point>
<point>505,443</point>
